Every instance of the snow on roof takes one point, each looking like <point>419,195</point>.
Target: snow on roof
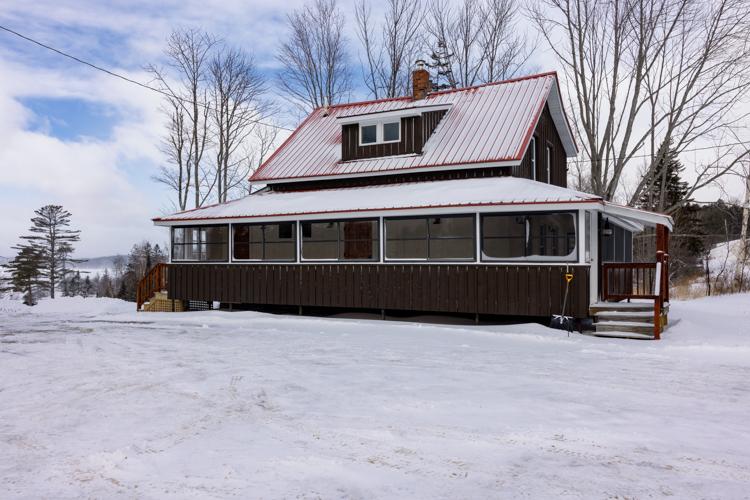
<point>431,194</point>
<point>490,123</point>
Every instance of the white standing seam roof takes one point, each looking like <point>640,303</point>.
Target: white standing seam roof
<point>490,123</point>
<point>413,195</point>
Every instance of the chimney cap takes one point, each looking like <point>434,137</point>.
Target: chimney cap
<point>420,63</point>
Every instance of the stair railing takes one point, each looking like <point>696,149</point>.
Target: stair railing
<point>154,281</point>
<point>639,280</point>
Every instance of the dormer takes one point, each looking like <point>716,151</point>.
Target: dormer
<point>388,133</point>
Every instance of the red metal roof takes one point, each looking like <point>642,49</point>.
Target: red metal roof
<point>489,123</point>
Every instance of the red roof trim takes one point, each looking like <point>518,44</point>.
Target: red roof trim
<point>532,127</point>
<point>299,127</point>
<point>391,170</point>
<point>357,210</point>
<point>490,84</point>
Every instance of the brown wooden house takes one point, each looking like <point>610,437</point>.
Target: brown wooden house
<point>450,201</point>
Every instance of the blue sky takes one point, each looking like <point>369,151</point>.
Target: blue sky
<point>77,137</point>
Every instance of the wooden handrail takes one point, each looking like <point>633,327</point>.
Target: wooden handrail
<point>639,280</point>
<point>154,281</point>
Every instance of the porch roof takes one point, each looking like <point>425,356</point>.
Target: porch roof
<point>404,196</point>
<point>446,194</point>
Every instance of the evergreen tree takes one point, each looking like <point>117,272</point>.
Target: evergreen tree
<point>104,285</point>
<point>87,287</point>
<point>74,284</point>
<point>668,189</point>
<point>25,274</point>
<point>53,242</point>
<point>122,291</point>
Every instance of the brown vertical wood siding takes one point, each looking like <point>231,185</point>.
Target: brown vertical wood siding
<point>546,134</point>
<point>484,289</point>
<point>415,130</point>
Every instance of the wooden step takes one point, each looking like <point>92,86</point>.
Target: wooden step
<point>625,326</point>
<point>639,316</point>
<point>621,306</point>
<point>622,335</point>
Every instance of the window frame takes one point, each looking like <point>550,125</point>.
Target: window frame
<point>473,257</point>
<point>530,259</point>
<point>549,149</point>
<point>533,157</point>
<point>376,238</point>
<point>378,132</point>
<point>294,241</point>
<point>200,242</point>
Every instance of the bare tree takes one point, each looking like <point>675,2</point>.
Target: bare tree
<point>177,147</point>
<point>481,37</point>
<point>188,53</point>
<point>237,90</point>
<point>263,144</point>
<point>390,47</point>
<point>314,60</point>
<point>647,74</point>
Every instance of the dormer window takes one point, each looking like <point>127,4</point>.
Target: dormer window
<point>379,132</point>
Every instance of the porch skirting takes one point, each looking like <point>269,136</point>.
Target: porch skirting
<point>512,290</point>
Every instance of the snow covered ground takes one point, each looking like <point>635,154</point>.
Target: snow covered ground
<point>97,401</point>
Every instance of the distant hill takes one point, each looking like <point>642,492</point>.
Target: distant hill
<point>97,265</point>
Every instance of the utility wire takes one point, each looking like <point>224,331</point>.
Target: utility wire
<point>741,143</point>
<point>125,78</point>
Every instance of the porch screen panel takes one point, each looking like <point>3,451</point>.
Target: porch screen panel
<point>340,240</point>
<point>200,243</point>
<point>274,242</point>
<point>430,238</point>
<point>504,236</point>
<point>540,237</point>
<point>406,238</point>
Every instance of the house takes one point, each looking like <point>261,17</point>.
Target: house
<point>449,201</point>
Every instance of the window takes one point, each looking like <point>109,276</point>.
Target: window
<point>430,238</point>
<point>529,237</point>
<point>340,240</point>
<point>548,163</point>
<point>369,134</point>
<point>392,132</point>
<point>532,156</point>
<point>379,133</point>
<point>265,241</point>
<point>200,243</point>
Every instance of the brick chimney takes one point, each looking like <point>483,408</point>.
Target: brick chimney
<point>420,81</point>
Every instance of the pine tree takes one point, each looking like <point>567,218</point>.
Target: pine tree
<point>53,242</point>
<point>122,292</point>
<point>74,285</point>
<point>104,286</point>
<point>668,189</point>
<point>25,274</point>
<point>87,287</point>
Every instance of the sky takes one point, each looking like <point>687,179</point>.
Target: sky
<point>77,137</point>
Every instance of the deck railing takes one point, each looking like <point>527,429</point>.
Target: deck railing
<point>639,280</point>
<point>154,281</point>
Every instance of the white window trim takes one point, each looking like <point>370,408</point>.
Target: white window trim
<point>378,132</point>
<point>548,163</point>
<point>532,145</point>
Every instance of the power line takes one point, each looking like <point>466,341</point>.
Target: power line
<point>125,78</point>
<point>741,143</point>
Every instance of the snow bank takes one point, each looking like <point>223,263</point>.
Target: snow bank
<point>119,404</point>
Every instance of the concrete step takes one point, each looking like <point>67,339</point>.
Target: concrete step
<point>625,326</point>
